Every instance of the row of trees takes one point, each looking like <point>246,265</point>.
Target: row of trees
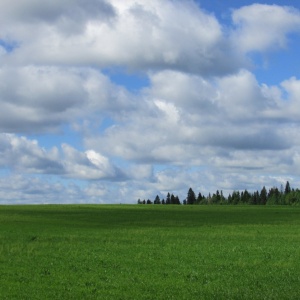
<point>273,196</point>
<point>171,199</point>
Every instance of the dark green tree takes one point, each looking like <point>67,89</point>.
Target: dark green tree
<point>157,200</point>
<point>236,197</point>
<point>263,197</point>
<point>215,198</point>
<point>246,197</point>
<point>255,198</point>
<point>199,198</point>
<point>168,200</point>
<point>229,199</point>
<point>287,189</point>
<point>173,199</point>
<point>222,199</point>
<point>191,197</point>
<point>274,196</point>
<point>177,200</point>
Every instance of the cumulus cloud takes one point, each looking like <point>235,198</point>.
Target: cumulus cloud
<point>40,99</point>
<point>261,27</point>
<point>202,113</point>
<point>19,189</point>
<point>89,165</point>
<point>204,120</point>
<point>69,15</point>
<point>142,35</point>
<point>24,155</point>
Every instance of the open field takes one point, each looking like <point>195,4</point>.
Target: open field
<point>149,252</point>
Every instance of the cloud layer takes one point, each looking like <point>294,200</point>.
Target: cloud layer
<point>204,120</point>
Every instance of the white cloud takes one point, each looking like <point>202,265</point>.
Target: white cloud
<point>26,156</point>
<point>22,154</point>
<point>133,34</point>
<point>35,98</point>
<point>204,120</point>
<point>41,99</point>
<point>263,27</point>
<point>283,102</point>
<point>230,113</point>
<point>292,87</point>
<point>170,111</point>
<point>18,189</point>
<point>191,92</point>
<point>88,165</point>
<point>69,15</point>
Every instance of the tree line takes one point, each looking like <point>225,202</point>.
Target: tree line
<point>273,196</point>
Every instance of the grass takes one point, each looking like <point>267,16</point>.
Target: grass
<point>149,252</point>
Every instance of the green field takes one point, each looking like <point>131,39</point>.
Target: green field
<point>149,252</point>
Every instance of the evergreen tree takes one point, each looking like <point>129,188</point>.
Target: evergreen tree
<point>191,197</point>
<point>157,200</point>
<point>246,197</point>
<point>215,198</point>
<point>236,197</point>
<point>218,196</point>
<point>287,189</point>
<point>177,201</point>
<point>168,200</point>
<point>173,199</point>
<point>229,199</point>
<point>263,196</point>
<point>199,198</point>
<point>209,198</point>
<point>287,196</point>
<point>255,199</point>
<point>274,196</point>
<point>222,198</point>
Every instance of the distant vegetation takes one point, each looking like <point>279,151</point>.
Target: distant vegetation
<point>273,196</point>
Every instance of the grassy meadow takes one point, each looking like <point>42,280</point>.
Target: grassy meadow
<point>149,252</point>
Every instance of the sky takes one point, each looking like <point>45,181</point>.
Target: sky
<point>111,101</point>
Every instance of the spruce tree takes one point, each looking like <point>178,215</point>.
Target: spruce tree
<point>287,189</point>
<point>191,197</point>
<point>263,196</point>
<point>157,200</point>
<point>168,200</point>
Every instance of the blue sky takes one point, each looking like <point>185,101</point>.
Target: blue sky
<point>120,100</point>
